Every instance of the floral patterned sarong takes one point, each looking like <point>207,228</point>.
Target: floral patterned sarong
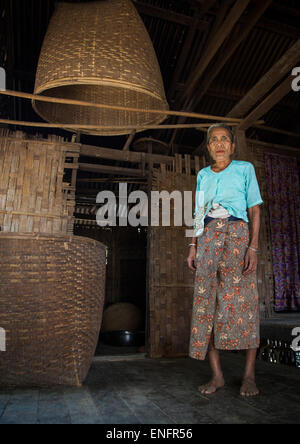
<point>225,306</point>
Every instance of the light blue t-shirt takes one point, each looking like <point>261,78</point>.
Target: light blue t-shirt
<point>235,188</point>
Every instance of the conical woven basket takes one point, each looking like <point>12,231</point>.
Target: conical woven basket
<point>99,52</point>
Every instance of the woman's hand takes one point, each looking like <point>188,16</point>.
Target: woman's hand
<point>250,262</point>
<point>192,258</point>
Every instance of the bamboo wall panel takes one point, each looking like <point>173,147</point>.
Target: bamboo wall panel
<point>171,283</point>
<point>34,194</point>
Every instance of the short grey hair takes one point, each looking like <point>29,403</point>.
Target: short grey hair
<point>219,125</point>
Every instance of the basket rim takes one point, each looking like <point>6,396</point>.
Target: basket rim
<point>89,81</point>
<point>49,237</point>
<point>156,120</point>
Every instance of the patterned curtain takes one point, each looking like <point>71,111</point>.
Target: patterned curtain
<point>284,208</point>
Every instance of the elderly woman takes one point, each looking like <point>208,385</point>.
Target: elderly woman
<point>224,256</point>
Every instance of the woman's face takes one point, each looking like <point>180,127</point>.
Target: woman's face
<point>220,146</point>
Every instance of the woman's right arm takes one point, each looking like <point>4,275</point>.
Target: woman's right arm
<point>192,255</point>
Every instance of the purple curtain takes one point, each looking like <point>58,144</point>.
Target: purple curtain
<point>284,208</point>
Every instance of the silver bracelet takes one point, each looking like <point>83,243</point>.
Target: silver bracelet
<point>254,249</point>
<point>192,245</point>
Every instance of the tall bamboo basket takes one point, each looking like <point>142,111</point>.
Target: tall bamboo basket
<point>99,52</point>
<point>51,298</point>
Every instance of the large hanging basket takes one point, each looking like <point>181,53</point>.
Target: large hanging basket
<point>51,297</point>
<point>99,52</point>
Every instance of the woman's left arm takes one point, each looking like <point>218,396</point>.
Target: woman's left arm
<point>250,262</point>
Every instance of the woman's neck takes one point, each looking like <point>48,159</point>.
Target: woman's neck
<point>221,165</point>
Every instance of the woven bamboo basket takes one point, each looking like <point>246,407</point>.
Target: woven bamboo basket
<point>99,52</point>
<point>51,298</point>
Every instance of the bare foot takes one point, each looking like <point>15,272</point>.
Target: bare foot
<point>212,386</point>
<point>249,388</point>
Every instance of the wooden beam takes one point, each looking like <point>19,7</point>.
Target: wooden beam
<point>278,131</point>
<point>125,156</point>
<point>166,14</point>
<point>294,151</point>
<point>110,180</point>
<point>281,91</point>
<point>216,43</point>
<point>106,169</point>
<point>128,156</point>
<point>242,149</point>
<point>284,30</point>
<point>277,72</point>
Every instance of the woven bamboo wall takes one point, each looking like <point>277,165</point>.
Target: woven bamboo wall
<point>265,279</point>
<point>171,282</point>
<point>34,193</point>
<point>265,267</point>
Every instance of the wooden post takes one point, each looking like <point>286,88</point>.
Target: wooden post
<point>242,150</point>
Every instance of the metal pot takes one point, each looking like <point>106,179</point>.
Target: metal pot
<point>124,338</point>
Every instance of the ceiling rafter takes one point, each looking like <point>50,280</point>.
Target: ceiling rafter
<point>273,76</point>
<point>229,49</point>
<point>178,15</point>
<point>271,100</point>
<point>166,14</point>
<point>193,98</point>
<point>215,43</point>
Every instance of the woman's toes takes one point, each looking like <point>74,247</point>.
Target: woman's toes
<point>249,388</point>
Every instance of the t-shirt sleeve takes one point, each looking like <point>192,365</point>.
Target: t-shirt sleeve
<point>253,196</point>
